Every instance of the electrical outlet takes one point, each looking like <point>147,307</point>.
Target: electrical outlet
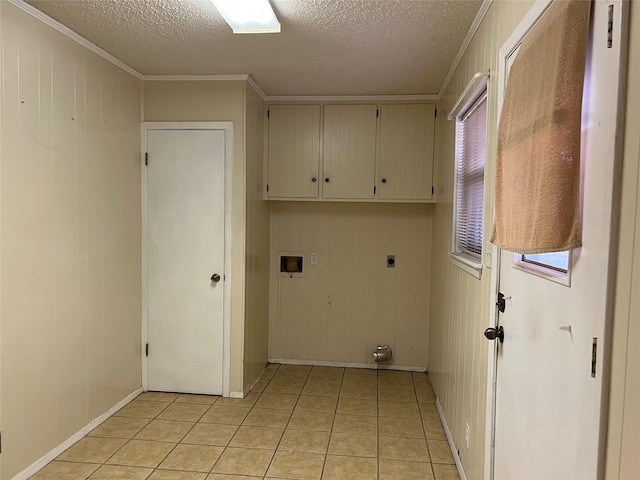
<point>314,258</point>
<point>467,434</point>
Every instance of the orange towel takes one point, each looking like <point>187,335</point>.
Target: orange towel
<point>537,203</point>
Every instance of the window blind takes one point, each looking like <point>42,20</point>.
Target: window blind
<point>471,136</point>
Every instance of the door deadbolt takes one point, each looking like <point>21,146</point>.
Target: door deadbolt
<point>215,278</point>
<point>501,302</point>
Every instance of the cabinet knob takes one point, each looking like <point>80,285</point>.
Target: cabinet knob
<point>313,179</point>
<point>326,180</point>
<point>384,180</point>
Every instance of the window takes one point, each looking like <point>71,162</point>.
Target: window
<point>471,139</point>
<point>551,266</point>
<point>556,261</point>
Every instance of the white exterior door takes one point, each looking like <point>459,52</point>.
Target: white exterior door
<point>185,260</point>
<point>549,386</point>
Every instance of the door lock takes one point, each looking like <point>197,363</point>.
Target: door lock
<point>493,333</point>
<point>501,303</point>
<point>215,278</point>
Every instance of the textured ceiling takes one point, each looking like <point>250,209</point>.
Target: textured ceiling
<point>327,47</point>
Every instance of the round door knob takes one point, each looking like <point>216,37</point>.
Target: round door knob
<point>493,333</point>
<point>326,180</point>
<point>384,180</point>
<point>313,179</point>
<point>215,278</point>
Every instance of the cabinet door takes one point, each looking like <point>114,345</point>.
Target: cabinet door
<point>294,151</point>
<point>349,154</point>
<point>406,152</point>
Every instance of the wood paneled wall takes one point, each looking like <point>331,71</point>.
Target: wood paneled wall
<point>71,238</point>
<point>347,304</point>
<point>256,310</point>
<point>460,310</point>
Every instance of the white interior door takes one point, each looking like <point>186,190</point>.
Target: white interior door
<point>185,252</point>
<point>548,390</point>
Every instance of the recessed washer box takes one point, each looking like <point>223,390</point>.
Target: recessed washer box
<point>291,264</point>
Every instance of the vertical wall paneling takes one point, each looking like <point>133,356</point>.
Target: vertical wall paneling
<point>294,150</point>
<point>257,241</point>
<point>349,152</point>
<point>70,239</point>
<point>96,233</point>
<point>457,349</point>
<point>350,301</point>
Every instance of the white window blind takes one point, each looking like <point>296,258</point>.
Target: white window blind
<point>471,139</point>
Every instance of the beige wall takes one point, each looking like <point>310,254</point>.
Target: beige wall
<point>256,320</point>
<point>623,443</point>
<point>350,302</point>
<point>459,312</point>
<point>187,101</point>
<point>71,234</point>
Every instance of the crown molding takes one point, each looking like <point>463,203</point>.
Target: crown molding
<point>194,78</point>
<point>282,98</point>
<point>34,12</point>
<point>256,87</point>
<point>484,8</point>
<point>207,78</point>
<point>349,98</point>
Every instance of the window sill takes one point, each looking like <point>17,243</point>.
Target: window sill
<point>471,267</point>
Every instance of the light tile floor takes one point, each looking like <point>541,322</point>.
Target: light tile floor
<point>298,422</point>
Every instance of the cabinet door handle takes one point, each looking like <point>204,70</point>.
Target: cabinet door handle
<point>384,180</point>
<point>326,180</point>
<point>313,179</point>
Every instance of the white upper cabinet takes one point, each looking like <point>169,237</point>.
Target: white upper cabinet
<point>406,152</point>
<point>294,151</point>
<point>349,151</point>
<point>360,152</point>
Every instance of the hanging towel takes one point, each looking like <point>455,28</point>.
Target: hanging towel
<point>537,203</point>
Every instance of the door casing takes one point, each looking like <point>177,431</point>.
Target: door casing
<point>227,128</point>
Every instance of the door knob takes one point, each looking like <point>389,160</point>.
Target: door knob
<point>493,333</point>
<point>215,278</point>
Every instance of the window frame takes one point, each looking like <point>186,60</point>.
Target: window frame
<point>461,257</point>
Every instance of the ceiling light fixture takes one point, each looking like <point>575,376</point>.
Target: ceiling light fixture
<point>248,16</point>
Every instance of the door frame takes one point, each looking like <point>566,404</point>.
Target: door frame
<point>508,47</point>
<point>227,128</point>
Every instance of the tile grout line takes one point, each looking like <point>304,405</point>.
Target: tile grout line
<point>245,417</point>
<point>378,423</point>
<point>424,430</point>
<point>275,452</point>
<point>335,412</point>
<point>104,463</point>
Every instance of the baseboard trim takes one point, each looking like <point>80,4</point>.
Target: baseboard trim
<point>236,394</point>
<point>452,445</point>
<point>371,366</point>
<point>39,464</point>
